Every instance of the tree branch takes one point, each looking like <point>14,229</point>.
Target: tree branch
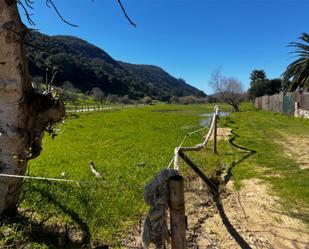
<point>50,2</point>
<point>125,14</point>
<point>28,15</point>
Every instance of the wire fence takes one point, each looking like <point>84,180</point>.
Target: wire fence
<point>92,168</point>
<point>167,190</point>
<point>80,108</point>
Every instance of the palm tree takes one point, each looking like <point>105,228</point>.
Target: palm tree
<point>296,74</point>
<point>257,76</point>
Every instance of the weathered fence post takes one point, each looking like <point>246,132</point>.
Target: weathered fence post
<point>215,133</point>
<point>177,212</point>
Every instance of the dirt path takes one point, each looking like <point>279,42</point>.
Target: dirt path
<point>250,218</point>
<point>297,147</point>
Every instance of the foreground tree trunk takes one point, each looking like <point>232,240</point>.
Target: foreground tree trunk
<point>24,114</point>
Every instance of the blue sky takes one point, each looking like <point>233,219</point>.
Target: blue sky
<point>187,38</point>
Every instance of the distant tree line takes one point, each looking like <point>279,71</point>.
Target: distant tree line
<point>260,85</point>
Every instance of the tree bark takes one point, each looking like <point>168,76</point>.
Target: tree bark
<point>24,114</point>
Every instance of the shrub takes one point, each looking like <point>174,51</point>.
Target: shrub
<point>174,100</point>
<point>125,100</point>
<point>147,100</point>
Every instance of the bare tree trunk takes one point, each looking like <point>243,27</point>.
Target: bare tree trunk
<point>24,114</point>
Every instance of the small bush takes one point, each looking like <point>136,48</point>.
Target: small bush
<point>147,100</point>
<point>112,98</point>
<point>125,100</point>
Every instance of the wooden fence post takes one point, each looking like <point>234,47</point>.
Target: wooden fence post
<point>215,134</point>
<point>177,212</point>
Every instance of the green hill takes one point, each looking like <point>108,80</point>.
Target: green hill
<point>87,66</point>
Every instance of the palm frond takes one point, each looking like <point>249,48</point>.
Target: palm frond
<point>297,73</point>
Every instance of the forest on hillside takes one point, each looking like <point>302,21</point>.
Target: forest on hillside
<point>87,66</point>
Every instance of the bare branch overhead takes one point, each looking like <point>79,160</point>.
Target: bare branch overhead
<point>50,3</point>
<point>27,4</point>
<point>28,15</point>
<point>125,13</point>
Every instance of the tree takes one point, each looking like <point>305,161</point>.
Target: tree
<point>112,98</point>
<point>260,85</point>
<point>188,100</point>
<point>24,113</point>
<point>174,100</point>
<point>97,94</point>
<point>147,100</point>
<point>68,91</point>
<point>256,76</point>
<point>274,86</point>
<point>229,89</point>
<point>296,74</point>
<point>68,86</point>
<point>125,100</point>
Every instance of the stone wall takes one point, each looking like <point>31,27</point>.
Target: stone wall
<point>302,113</point>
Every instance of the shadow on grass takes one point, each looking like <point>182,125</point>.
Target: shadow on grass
<point>57,233</point>
<point>250,152</point>
<point>66,210</point>
<point>25,232</point>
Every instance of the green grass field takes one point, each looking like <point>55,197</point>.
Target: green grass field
<point>130,146</point>
<point>117,142</point>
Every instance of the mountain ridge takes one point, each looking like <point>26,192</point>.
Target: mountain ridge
<point>87,66</point>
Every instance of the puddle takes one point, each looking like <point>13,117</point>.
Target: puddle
<point>206,117</point>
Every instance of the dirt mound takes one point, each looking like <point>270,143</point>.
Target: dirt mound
<point>222,134</point>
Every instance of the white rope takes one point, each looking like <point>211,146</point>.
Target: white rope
<point>78,183</point>
<point>197,147</point>
<point>173,158</point>
<point>176,159</point>
<point>203,128</point>
<point>203,145</point>
<point>39,178</point>
<point>171,162</point>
